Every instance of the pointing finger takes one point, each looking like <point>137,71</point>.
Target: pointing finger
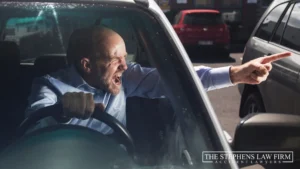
<point>275,57</point>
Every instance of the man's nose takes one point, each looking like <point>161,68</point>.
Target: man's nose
<point>123,65</point>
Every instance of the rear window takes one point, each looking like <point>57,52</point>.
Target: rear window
<point>203,19</point>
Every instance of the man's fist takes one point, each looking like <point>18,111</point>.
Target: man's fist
<point>79,105</point>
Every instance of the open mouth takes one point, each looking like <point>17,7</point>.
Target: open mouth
<point>117,80</point>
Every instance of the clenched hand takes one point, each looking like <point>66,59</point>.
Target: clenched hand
<point>79,105</point>
<point>255,71</point>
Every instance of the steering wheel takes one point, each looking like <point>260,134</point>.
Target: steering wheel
<point>121,133</point>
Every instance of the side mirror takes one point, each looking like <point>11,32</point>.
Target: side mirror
<point>268,132</point>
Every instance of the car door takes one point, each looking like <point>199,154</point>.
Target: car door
<point>281,88</point>
<point>259,46</point>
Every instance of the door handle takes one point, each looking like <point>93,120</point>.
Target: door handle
<point>269,54</point>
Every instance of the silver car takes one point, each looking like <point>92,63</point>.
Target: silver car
<point>277,31</point>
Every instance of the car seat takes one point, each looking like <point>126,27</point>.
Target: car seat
<point>49,63</point>
<point>11,99</point>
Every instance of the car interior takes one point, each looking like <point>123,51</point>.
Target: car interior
<point>147,119</point>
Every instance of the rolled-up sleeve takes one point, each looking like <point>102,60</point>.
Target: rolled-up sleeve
<point>214,78</point>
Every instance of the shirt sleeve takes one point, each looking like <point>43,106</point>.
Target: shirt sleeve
<point>214,78</point>
<point>142,82</point>
<point>146,82</point>
<point>41,96</point>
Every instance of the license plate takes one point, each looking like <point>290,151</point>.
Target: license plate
<point>205,43</point>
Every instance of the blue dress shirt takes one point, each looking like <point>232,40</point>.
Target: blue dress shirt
<point>136,81</point>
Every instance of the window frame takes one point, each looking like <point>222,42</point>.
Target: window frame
<point>294,4</point>
<point>279,22</point>
<point>276,25</point>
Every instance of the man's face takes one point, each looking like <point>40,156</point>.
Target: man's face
<point>109,65</point>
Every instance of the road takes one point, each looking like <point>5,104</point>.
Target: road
<point>224,101</point>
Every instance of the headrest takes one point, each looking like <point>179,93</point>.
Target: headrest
<point>50,63</point>
<point>10,53</point>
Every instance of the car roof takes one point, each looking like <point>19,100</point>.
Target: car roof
<point>200,11</point>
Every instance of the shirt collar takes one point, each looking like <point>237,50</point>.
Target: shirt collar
<point>78,82</point>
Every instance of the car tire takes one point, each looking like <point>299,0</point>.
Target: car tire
<point>223,52</point>
<point>226,53</point>
<point>253,103</point>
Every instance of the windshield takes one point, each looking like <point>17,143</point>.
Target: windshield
<point>172,130</point>
<point>203,19</point>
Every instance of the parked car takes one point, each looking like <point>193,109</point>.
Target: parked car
<point>277,31</point>
<point>168,132</point>
<point>202,28</point>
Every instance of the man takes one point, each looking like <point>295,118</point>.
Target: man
<point>99,76</point>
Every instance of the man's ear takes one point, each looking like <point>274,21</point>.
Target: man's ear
<point>86,65</point>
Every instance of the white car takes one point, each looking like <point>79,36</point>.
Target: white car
<point>171,132</point>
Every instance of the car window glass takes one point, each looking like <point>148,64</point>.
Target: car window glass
<point>267,26</point>
<point>291,36</point>
<point>44,34</point>
<point>277,36</point>
<point>203,19</point>
<point>193,131</point>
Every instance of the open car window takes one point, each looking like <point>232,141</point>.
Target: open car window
<point>179,121</point>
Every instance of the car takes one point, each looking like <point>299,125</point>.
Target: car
<point>203,28</point>
<point>168,132</point>
<point>277,31</point>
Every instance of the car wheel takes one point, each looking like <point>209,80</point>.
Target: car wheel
<point>224,52</point>
<point>253,104</point>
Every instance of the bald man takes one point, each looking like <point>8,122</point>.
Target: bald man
<point>100,76</point>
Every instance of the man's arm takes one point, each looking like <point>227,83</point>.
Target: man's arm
<point>145,82</point>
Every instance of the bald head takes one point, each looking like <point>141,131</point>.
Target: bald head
<point>90,42</point>
<point>99,55</point>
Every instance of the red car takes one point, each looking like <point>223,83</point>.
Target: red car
<point>202,27</point>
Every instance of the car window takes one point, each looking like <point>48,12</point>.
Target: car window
<point>45,28</point>
<point>291,36</point>
<point>267,26</point>
<point>203,19</point>
<point>279,32</point>
<point>44,34</point>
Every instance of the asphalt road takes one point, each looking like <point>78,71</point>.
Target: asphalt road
<point>224,101</point>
